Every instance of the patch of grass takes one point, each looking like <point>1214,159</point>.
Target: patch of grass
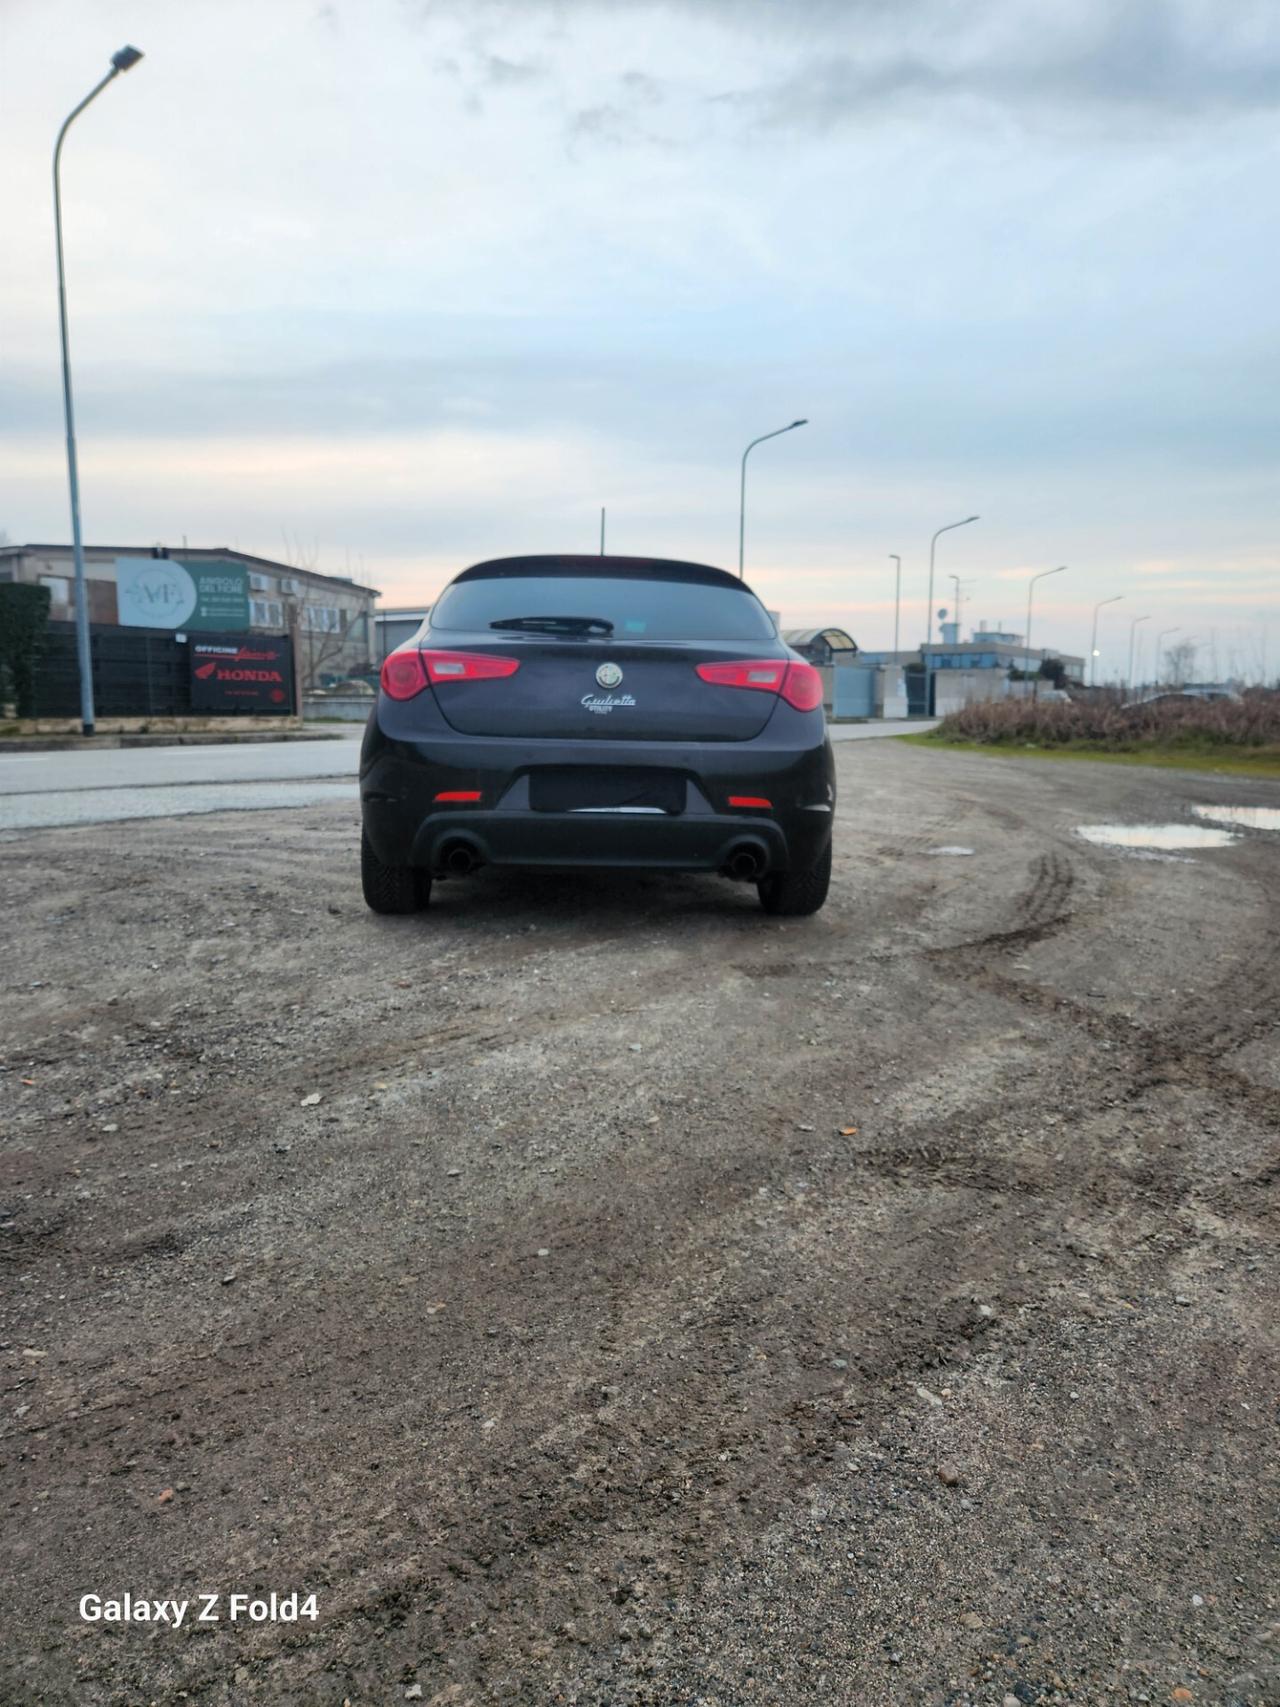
<point>1215,758</point>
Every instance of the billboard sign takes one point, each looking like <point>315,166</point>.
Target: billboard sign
<point>161,592</point>
<point>230,674</point>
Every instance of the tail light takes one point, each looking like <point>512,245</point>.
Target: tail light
<point>799,684</point>
<point>802,687</point>
<point>402,674</point>
<point>406,673</point>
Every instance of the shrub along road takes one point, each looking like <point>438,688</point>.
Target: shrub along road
<point>594,1291</point>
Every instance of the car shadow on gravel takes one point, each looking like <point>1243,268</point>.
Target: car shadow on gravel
<point>524,899</point>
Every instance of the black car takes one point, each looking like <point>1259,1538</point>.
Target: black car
<point>570,712</point>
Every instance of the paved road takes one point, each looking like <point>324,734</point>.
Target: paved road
<point>41,791</point>
<point>45,790</point>
<point>889,726</point>
<point>146,767</point>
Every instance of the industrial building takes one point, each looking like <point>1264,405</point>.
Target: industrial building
<point>210,589</point>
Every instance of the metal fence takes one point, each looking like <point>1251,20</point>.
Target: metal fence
<point>853,691</point>
<point>137,672</point>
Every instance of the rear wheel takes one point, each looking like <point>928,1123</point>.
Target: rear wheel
<point>391,888</point>
<point>792,894</point>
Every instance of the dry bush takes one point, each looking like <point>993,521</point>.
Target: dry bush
<point>1253,721</point>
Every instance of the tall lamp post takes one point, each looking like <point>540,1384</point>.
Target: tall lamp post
<point>933,546</point>
<point>959,587</point>
<point>1160,640</point>
<point>742,493</point>
<point>124,60</point>
<point>1133,629</point>
<point>1031,587</point>
<point>929,613</point>
<point>1093,644</point>
<point>897,595</point>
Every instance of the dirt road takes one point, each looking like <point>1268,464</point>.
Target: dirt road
<point>660,1304</point>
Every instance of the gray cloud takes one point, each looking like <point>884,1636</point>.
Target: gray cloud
<point>845,61</point>
<point>509,73</point>
<point>1147,61</point>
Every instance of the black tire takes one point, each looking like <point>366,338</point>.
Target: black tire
<point>793,894</point>
<point>391,888</point>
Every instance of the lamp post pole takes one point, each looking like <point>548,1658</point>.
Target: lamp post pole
<point>124,60</point>
<point>929,613</point>
<point>933,546</point>
<point>959,587</point>
<point>897,595</point>
<point>742,491</point>
<point>1031,587</point>
<point>1160,640</point>
<point>1133,629</point>
<point>1093,644</point>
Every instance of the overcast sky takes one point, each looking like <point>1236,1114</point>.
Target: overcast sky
<point>409,283</point>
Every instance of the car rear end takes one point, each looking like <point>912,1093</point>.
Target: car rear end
<point>591,711</point>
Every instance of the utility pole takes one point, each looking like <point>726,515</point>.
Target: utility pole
<point>742,491</point>
<point>1093,643</point>
<point>1031,587</point>
<point>1133,629</point>
<point>124,60</point>
<point>959,586</point>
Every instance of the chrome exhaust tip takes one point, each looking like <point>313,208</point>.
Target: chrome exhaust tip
<point>459,858</point>
<point>747,862</point>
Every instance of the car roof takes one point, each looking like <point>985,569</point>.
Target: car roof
<point>624,568</point>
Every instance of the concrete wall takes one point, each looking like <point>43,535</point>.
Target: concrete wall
<point>891,691</point>
<point>353,708</point>
<point>954,689</point>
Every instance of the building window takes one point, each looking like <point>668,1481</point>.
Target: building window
<point>267,613</point>
<point>322,619</point>
<point>259,583</point>
<point>59,594</point>
<point>291,584</point>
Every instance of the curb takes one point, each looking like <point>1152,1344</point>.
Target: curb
<point>106,743</point>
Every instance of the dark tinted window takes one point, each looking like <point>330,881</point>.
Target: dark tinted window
<point>638,609</point>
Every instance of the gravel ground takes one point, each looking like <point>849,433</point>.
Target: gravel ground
<point>596,1292</point>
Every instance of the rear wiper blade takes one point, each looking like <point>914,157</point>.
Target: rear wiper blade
<point>557,624</point>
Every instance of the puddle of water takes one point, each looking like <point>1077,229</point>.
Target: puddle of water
<point>1162,836</point>
<point>1252,817</point>
<point>952,853</point>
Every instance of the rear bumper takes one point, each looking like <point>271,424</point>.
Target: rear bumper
<point>565,840</point>
<point>407,826</point>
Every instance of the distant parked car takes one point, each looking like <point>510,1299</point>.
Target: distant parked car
<point>613,712</point>
<point>1184,696</point>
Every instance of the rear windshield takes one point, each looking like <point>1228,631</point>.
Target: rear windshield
<point>638,609</point>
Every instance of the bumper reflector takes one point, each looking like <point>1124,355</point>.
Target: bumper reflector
<point>459,794</point>
<point>750,800</point>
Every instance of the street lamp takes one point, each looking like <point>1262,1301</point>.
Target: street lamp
<point>1093,644</point>
<point>928,628</point>
<point>124,60</point>
<point>742,496</point>
<point>959,586</point>
<point>928,623</point>
<point>897,596</point>
<point>1133,629</point>
<point>1031,587</point>
<point>1160,639</point>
